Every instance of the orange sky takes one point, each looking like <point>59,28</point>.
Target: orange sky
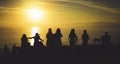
<point>55,11</point>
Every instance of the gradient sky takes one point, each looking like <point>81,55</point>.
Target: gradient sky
<point>12,12</point>
<point>96,16</point>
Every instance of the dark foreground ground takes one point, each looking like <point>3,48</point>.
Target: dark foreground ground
<point>64,55</point>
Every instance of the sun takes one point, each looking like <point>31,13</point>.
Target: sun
<point>34,14</point>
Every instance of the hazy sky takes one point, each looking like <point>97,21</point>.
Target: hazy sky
<point>12,12</point>
<point>94,15</point>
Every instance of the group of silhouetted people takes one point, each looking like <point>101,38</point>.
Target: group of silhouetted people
<point>37,41</point>
<point>6,50</point>
<point>54,39</point>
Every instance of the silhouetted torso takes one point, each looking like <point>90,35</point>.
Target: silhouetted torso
<point>49,37</point>
<point>36,38</point>
<point>38,41</point>
<point>0,51</point>
<point>85,38</point>
<point>6,50</point>
<point>106,39</point>
<point>72,38</point>
<point>24,41</point>
<point>57,38</point>
<point>14,49</point>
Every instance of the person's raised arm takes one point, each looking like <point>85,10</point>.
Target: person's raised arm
<point>30,37</point>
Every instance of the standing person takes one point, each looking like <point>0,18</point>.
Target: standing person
<point>106,39</point>
<point>72,38</point>
<point>24,41</point>
<point>6,50</point>
<point>0,51</point>
<point>14,49</point>
<point>49,37</point>
<point>37,41</point>
<point>57,38</point>
<point>85,38</point>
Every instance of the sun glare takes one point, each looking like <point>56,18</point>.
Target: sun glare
<point>34,14</point>
<point>34,30</point>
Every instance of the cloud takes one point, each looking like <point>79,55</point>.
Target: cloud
<point>70,3</point>
<point>11,10</point>
<point>7,8</point>
<point>91,5</point>
<point>105,8</point>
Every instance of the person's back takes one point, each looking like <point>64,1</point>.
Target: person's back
<point>0,51</point>
<point>49,37</point>
<point>107,38</point>
<point>103,40</point>
<point>85,37</point>
<point>6,50</point>
<point>14,49</point>
<point>24,40</point>
<point>57,37</point>
<point>72,38</point>
<point>38,41</point>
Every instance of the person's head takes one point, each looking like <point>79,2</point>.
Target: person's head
<point>37,34</point>
<point>85,31</point>
<point>50,30</point>
<point>72,30</point>
<point>106,33</point>
<point>24,36</point>
<point>5,45</point>
<point>58,30</point>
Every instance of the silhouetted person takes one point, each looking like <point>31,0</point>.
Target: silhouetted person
<point>49,37</point>
<point>14,49</point>
<point>103,40</point>
<point>6,50</point>
<point>72,38</point>
<point>106,39</point>
<point>0,51</point>
<point>57,38</point>
<point>24,41</point>
<point>38,41</point>
<point>85,38</point>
